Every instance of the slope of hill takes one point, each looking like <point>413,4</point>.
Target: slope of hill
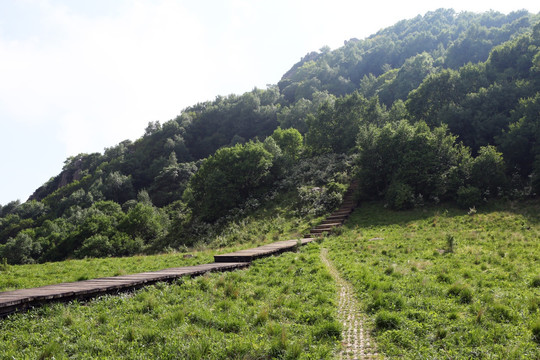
<point>396,110</point>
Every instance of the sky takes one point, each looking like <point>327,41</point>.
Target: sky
<point>77,76</point>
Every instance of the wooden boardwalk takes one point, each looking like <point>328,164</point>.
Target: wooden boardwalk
<point>249,255</point>
<point>19,300</point>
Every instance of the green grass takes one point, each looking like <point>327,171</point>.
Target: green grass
<point>281,307</point>
<point>446,283</point>
<point>34,275</point>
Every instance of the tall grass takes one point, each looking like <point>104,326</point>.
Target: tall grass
<point>443,283</point>
<point>259,313</point>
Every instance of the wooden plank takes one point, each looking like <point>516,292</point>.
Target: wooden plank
<point>249,255</point>
<point>21,299</point>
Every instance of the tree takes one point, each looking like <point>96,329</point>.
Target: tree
<point>401,160</point>
<point>290,142</point>
<point>336,125</point>
<point>488,171</point>
<point>143,221</point>
<point>20,250</point>
<point>228,178</point>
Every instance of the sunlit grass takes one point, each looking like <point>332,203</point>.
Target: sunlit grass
<point>281,307</point>
<point>446,283</point>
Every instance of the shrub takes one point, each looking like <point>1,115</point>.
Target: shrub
<point>400,196</point>
<point>3,264</point>
<point>488,170</point>
<point>450,243</point>
<point>317,201</point>
<point>403,159</point>
<point>228,178</point>
<point>95,246</point>
<point>468,197</point>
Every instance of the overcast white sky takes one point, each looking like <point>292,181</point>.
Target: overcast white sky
<point>81,75</point>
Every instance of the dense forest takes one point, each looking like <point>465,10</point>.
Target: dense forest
<point>441,107</point>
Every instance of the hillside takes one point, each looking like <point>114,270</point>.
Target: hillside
<point>442,107</point>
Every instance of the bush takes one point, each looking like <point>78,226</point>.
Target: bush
<point>228,178</point>
<point>399,196</point>
<point>21,250</point>
<point>468,197</point>
<point>95,246</point>
<point>316,201</point>
<point>488,171</point>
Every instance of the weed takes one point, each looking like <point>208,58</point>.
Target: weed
<point>130,334</point>
<point>50,351</point>
<point>462,291</point>
<point>328,330</point>
<point>262,316</point>
<point>535,329</point>
<point>4,266</point>
<point>450,243</point>
<point>535,282</point>
<point>502,313</point>
<point>440,333</point>
<point>102,318</point>
<point>386,320</point>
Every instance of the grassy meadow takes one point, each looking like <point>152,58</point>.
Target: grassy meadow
<point>436,282</point>
<point>281,307</point>
<point>443,283</point>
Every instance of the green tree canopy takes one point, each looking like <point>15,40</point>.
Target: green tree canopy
<point>228,178</point>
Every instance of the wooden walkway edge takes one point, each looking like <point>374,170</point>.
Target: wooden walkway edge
<point>249,255</point>
<point>23,299</point>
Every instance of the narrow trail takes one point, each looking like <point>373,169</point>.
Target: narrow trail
<point>357,342</point>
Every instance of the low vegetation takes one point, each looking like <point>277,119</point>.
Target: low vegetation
<point>440,282</point>
<point>279,221</point>
<point>281,307</point>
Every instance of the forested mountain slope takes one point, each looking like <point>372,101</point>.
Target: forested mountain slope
<point>441,107</point>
